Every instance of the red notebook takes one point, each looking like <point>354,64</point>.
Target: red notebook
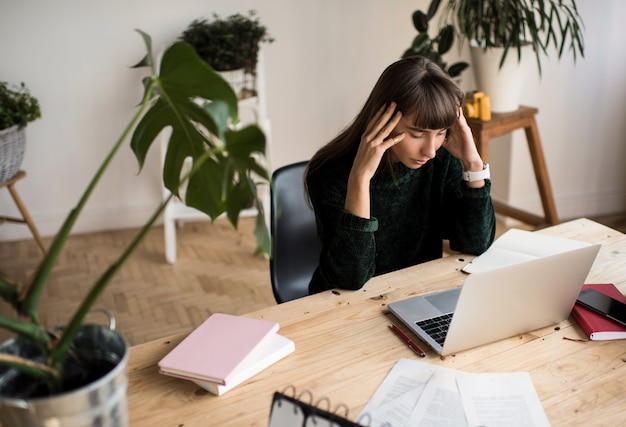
<point>596,326</point>
<point>217,348</point>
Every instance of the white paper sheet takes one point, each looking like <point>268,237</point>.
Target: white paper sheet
<point>517,246</point>
<point>395,398</point>
<point>416,393</point>
<point>501,400</point>
<point>440,403</point>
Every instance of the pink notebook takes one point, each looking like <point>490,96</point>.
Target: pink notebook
<point>215,349</point>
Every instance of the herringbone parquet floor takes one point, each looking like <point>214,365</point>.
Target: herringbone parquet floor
<point>216,271</point>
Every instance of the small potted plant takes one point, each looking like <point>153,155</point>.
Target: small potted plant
<point>17,108</point>
<point>434,48</point>
<point>231,46</point>
<point>75,375</point>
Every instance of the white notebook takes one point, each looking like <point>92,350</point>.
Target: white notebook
<point>273,349</point>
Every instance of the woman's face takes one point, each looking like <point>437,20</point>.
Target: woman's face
<point>418,146</point>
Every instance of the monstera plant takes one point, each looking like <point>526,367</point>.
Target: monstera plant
<point>189,97</point>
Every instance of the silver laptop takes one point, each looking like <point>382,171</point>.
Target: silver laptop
<point>498,303</point>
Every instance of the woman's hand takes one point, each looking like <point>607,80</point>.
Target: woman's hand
<point>460,143</point>
<point>374,142</point>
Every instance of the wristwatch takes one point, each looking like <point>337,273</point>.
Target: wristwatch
<point>477,176</point>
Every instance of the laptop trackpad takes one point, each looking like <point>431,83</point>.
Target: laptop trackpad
<point>444,301</point>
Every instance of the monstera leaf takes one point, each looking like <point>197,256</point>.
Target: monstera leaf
<point>200,109</point>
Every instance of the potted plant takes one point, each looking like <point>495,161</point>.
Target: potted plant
<point>75,375</point>
<point>17,108</point>
<point>434,48</point>
<point>495,27</point>
<point>231,46</point>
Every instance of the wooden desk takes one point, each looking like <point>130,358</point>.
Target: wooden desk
<point>344,350</point>
<point>503,123</point>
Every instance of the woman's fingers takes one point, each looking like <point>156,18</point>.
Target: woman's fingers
<point>383,122</point>
<point>391,141</point>
<point>391,124</point>
<point>373,122</point>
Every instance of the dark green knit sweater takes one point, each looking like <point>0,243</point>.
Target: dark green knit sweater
<point>412,212</point>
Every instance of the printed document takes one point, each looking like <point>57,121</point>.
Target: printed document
<point>416,393</point>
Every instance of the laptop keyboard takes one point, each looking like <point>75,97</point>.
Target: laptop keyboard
<point>436,327</point>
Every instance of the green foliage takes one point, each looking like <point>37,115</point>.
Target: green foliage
<point>433,48</point>
<point>200,108</point>
<point>512,24</point>
<point>228,44</point>
<point>17,106</point>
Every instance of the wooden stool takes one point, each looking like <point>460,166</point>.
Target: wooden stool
<point>26,218</point>
<point>502,123</point>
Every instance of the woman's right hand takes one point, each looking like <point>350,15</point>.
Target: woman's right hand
<point>374,142</point>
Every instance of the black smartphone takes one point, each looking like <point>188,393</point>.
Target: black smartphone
<point>603,304</point>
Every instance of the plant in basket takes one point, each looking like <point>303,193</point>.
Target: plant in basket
<point>17,108</point>
<point>50,373</point>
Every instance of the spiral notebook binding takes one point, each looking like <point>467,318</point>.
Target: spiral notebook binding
<point>290,409</point>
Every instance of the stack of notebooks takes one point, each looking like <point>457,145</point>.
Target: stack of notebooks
<point>225,351</point>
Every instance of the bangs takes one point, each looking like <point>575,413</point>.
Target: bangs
<point>435,106</point>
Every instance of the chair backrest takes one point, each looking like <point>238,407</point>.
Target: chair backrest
<point>295,249</point>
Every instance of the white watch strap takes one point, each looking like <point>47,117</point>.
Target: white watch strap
<point>477,176</point>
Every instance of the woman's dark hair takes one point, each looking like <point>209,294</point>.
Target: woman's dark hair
<point>422,91</point>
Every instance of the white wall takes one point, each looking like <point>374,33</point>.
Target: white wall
<point>75,57</point>
<point>581,120</point>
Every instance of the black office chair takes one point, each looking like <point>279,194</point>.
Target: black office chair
<point>295,249</point>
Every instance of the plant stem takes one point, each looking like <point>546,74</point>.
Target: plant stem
<point>33,291</point>
<point>59,352</point>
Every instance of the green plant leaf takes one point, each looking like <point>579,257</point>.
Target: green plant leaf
<point>184,84</point>
<point>432,9</point>
<point>184,75</point>
<point>241,144</point>
<point>8,289</point>
<point>146,61</point>
<point>26,328</point>
<point>446,39</point>
<point>457,68</point>
<point>421,43</point>
<point>420,22</point>
<point>261,233</point>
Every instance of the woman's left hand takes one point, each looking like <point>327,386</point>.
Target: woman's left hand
<point>460,143</point>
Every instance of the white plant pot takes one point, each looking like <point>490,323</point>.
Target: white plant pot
<point>504,85</point>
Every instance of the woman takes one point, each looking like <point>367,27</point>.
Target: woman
<point>403,177</point>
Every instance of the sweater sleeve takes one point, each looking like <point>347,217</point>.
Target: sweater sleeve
<point>471,221</point>
<point>347,243</point>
